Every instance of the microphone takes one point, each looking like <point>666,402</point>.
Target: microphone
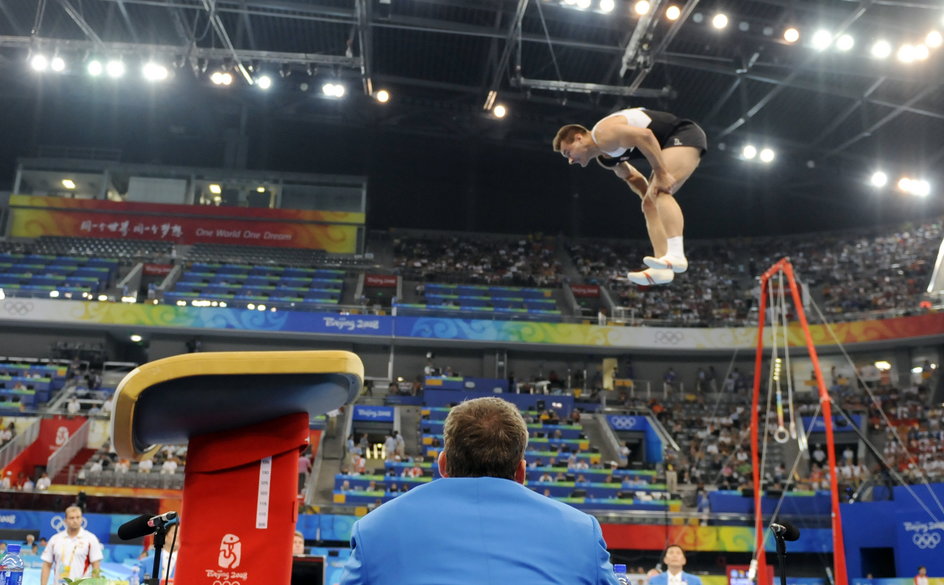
<point>144,525</point>
<point>785,530</point>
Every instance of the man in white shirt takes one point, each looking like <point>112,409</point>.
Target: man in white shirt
<point>674,560</point>
<point>43,483</point>
<point>74,553</point>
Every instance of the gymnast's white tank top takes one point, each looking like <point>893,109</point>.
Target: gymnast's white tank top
<point>636,117</point>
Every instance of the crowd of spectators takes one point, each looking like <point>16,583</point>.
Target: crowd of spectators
<point>526,261</point>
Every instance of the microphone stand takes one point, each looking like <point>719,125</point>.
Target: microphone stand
<point>159,537</point>
<point>781,557</point>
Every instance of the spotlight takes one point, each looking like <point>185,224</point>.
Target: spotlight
<point>264,82</point>
<point>607,6</point>
<point>335,90</point>
<point>382,96</point>
<point>499,111</point>
<point>214,188</point>
<point>642,7</point>
<point>54,294</point>
<point>767,155</point>
<point>39,62</point>
<point>921,52</point>
<point>95,68</point>
<point>154,71</point>
<point>881,49</point>
<point>57,64</point>
<point>749,152</point>
<point>719,21</point>
<point>845,43</point>
<point>878,179</point>
<point>904,184</point>
<point>821,40</point>
<point>906,53</point>
<point>673,12</point>
<point>920,187</point>
<point>136,338</point>
<point>933,40</point>
<point>260,189</point>
<point>583,4</point>
<point>791,35</point>
<point>68,183</point>
<point>115,69</point>
<point>221,78</point>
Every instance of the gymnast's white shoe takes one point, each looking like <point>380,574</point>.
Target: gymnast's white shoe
<point>674,263</point>
<point>651,276</point>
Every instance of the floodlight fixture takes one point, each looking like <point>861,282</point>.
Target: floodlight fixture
<point>791,35</point>
<point>821,39</point>
<point>584,4</point>
<point>878,179</point>
<point>642,7</point>
<point>673,13</point>
<point>607,6</point>
<point>845,43</point>
<point>767,155</point>
<point>933,39</point>
<point>39,62</point>
<point>68,183</point>
<point>152,71</point>
<point>921,52</point>
<point>382,96</point>
<point>215,188</point>
<point>115,68</point>
<point>499,111</point>
<point>719,21</point>
<point>881,49</point>
<point>264,82</point>
<point>57,64</point>
<point>906,53</point>
<point>749,152</point>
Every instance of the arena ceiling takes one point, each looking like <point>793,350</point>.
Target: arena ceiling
<point>446,61</point>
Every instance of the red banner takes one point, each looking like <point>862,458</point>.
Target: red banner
<point>585,290</point>
<point>32,223</point>
<point>176,210</point>
<point>380,280</point>
<point>151,269</point>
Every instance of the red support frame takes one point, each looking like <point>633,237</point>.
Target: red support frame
<point>839,554</point>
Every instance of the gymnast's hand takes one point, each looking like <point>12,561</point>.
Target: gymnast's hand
<point>662,182</point>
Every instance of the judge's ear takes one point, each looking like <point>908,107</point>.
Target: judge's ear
<point>442,464</point>
<point>522,472</point>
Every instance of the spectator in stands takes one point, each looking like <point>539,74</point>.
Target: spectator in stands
<point>169,467</point>
<point>122,466</point>
<point>6,435</point>
<point>298,544</point>
<point>304,468</point>
<point>483,466</point>
<point>7,482</point>
<point>43,483</point>
<point>145,465</point>
<point>74,553</point>
<point>400,445</point>
<point>390,446</point>
<point>674,559</point>
<point>73,406</point>
<point>922,577</point>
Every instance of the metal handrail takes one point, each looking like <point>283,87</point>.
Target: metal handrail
<point>64,454</point>
<point>18,444</point>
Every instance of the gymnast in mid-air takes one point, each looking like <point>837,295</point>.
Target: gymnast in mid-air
<point>673,147</point>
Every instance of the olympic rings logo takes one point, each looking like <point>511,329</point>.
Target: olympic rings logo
<point>669,337</point>
<point>623,422</point>
<point>218,582</point>
<point>17,308</point>
<point>926,540</point>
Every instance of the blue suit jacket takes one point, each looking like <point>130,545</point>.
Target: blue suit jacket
<point>663,579</point>
<point>481,531</point>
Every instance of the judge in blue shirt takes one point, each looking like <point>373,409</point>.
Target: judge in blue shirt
<point>479,525</point>
<point>674,560</point>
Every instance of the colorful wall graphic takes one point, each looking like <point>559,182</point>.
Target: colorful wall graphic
<point>444,329</point>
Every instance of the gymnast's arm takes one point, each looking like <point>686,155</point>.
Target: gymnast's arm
<point>613,134</point>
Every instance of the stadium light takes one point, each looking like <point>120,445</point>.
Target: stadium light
<point>920,187</point>
<point>68,183</point>
<point>673,12</point>
<point>791,35</point>
<point>152,71</point>
<point>57,64</point>
<point>221,78</point>
<point>642,7</point>
<point>215,189</point>
<point>767,155</point>
<point>878,179</point>
<point>39,62</point>
<point>719,21</point>
<point>906,53</point>
<point>821,40</point>
<point>335,90</point>
<point>607,6</point>
<point>500,111</point>
<point>584,4</point>
<point>933,40</point>
<point>881,49</point>
<point>749,152</point>
<point>382,96</point>
<point>845,43</point>
<point>921,52</point>
<point>264,82</point>
<point>115,69</point>
<point>135,338</point>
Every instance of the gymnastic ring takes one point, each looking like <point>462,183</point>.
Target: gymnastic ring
<point>781,435</point>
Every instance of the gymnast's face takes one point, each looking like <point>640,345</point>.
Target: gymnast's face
<point>578,150</point>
